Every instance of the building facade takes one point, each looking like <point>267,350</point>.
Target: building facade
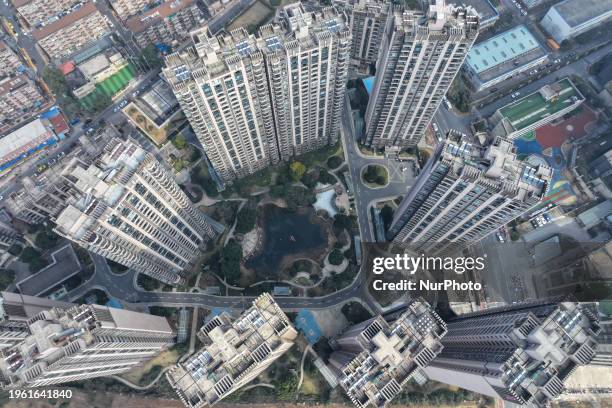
<point>71,32</point>
<point>367,19</point>
<point>235,352</point>
<point>569,18</point>
<point>419,58</point>
<point>378,357</point>
<point>131,210</point>
<point>82,342</point>
<point>37,12</point>
<point>168,23</point>
<point>19,95</point>
<point>521,354</point>
<point>255,100</point>
<point>468,189</point>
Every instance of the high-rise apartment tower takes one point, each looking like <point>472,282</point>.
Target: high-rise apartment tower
<point>420,56</point>
<point>521,353</point>
<point>468,189</point>
<point>82,342</point>
<point>235,352</point>
<point>367,19</point>
<point>255,100</point>
<point>131,210</point>
<point>378,357</point>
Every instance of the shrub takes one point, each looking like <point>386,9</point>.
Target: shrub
<point>336,257</point>
<point>246,220</point>
<point>334,162</point>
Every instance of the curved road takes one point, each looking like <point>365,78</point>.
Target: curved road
<point>122,288</point>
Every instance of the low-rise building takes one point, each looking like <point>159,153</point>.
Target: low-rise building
<point>235,352</point>
<point>9,61</point>
<point>39,12</point>
<point>486,12</point>
<point>82,342</point>
<point>127,8</point>
<point>156,113</point>
<point>570,18</point>
<point>19,95</point>
<point>71,32</point>
<point>25,142</point>
<point>168,23</point>
<point>503,56</point>
<point>537,109</point>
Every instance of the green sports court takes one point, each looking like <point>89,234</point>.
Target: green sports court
<point>111,85</point>
<point>534,107</point>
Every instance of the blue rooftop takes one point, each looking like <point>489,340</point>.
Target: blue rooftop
<point>501,48</point>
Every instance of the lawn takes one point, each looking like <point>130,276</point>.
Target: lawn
<point>110,86</point>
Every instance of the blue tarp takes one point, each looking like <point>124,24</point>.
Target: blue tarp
<point>30,152</point>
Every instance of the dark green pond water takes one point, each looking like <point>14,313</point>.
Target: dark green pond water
<point>287,234</point>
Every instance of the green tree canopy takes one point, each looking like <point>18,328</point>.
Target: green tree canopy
<point>297,170</point>
<point>245,221</point>
<point>56,80</point>
<point>231,255</point>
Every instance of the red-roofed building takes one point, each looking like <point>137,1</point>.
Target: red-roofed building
<point>67,67</point>
<point>59,124</point>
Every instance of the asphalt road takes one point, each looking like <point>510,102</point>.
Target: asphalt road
<point>400,180</point>
<point>218,22</point>
<point>122,287</point>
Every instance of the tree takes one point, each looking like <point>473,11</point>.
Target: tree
<point>56,80</point>
<point>179,141</point>
<point>386,213</point>
<point>101,102</point>
<point>342,221</point>
<point>333,162</point>
<point>231,255</point>
<point>297,170</point>
<point>6,278</point>
<point>246,220</point>
<point>146,282</point>
<point>149,56</point>
<point>336,257</point>
<point>29,254</point>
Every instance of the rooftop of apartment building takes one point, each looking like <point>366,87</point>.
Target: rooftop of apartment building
<point>497,161</point>
<point>98,181</point>
<point>441,18</point>
<point>545,102</point>
<point>296,28</point>
<point>15,306</point>
<point>141,22</point>
<point>57,332</point>
<point>393,351</point>
<point>363,5</point>
<point>547,348</point>
<point>577,12</point>
<point>232,349</point>
<point>504,53</point>
<point>82,12</point>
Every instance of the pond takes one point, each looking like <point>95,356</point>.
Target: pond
<point>288,235</point>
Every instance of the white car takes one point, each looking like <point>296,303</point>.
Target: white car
<point>435,127</point>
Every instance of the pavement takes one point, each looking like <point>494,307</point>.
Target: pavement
<point>218,22</point>
<point>365,197</point>
<point>64,264</point>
